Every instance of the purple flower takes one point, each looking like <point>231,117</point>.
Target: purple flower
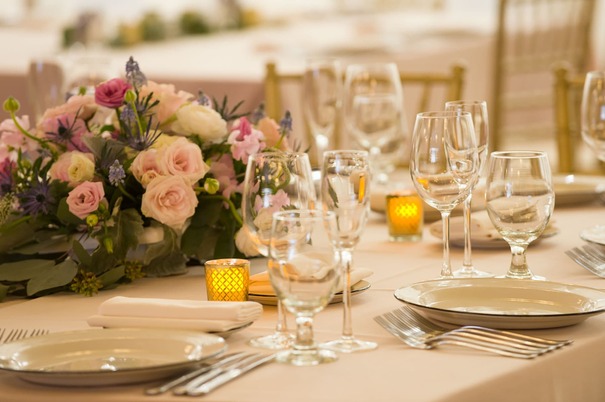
<point>68,130</point>
<point>286,124</point>
<point>37,198</point>
<point>111,93</point>
<point>6,177</point>
<point>134,75</point>
<point>116,173</point>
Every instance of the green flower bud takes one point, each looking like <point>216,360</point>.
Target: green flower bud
<point>11,105</point>
<point>130,96</point>
<point>211,185</point>
<point>92,220</point>
<point>108,243</point>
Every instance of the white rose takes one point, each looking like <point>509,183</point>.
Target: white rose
<point>245,243</point>
<point>201,121</point>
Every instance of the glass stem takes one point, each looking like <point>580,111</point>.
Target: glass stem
<point>446,268</point>
<point>346,256</point>
<point>282,323</point>
<point>518,266</point>
<point>304,333</point>
<point>322,144</point>
<point>467,262</point>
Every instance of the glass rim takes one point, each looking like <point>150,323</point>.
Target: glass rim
<point>227,262</point>
<point>304,214</point>
<point>466,102</point>
<point>524,154</point>
<point>335,152</point>
<point>442,114</point>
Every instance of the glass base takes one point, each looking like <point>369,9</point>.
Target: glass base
<point>471,272</point>
<point>349,345</point>
<point>275,341</point>
<point>311,357</point>
<point>529,278</point>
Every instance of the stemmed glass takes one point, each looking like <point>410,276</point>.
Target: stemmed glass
<point>520,201</point>
<point>373,114</point>
<point>345,190</point>
<point>593,112</point>
<point>322,87</point>
<point>444,165</point>
<point>305,272</point>
<point>275,181</point>
<point>478,111</point>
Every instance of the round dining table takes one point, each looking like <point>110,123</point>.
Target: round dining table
<point>393,371</point>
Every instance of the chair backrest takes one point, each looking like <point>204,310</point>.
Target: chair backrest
<point>532,35</point>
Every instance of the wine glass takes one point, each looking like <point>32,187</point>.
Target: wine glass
<point>593,112</point>
<point>274,181</point>
<point>520,201</point>
<point>345,190</point>
<point>322,88</point>
<point>444,165</point>
<point>478,110</point>
<point>373,114</point>
<point>305,272</point>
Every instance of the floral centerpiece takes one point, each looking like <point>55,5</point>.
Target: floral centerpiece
<point>138,163</point>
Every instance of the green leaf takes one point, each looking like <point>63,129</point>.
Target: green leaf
<point>3,291</point>
<point>54,277</point>
<point>16,236</point>
<point>165,258</point>
<point>24,270</point>
<point>81,254</point>
<point>112,276</point>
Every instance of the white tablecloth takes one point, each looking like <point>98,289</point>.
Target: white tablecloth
<point>393,371</point>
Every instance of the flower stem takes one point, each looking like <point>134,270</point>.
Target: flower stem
<point>232,207</point>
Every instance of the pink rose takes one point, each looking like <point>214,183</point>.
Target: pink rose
<point>245,140</point>
<point>111,93</point>
<point>73,167</point>
<point>182,158</point>
<point>85,198</point>
<point>145,167</point>
<point>169,99</point>
<point>270,129</point>
<point>169,200</point>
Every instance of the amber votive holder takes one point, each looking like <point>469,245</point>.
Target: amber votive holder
<point>227,279</point>
<point>405,215</point>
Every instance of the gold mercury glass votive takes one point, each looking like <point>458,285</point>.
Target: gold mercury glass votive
<point>227,279</point>
<point>405,215</point>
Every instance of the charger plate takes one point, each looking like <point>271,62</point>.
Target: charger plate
<point>100,357</point>
<point>503,303</point>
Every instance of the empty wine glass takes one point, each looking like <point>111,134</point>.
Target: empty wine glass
<point>444,165</point>
<point>345,190</point>
<point>520,201</point>
<point>478,110</point>
<point>373,114</point>
<point>593,112</point>
<point>305,272</point>
<point>322,88</point>
<point>275,181</point>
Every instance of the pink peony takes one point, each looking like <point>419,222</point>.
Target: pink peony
<point>169,99</point>
<point>111,93</point>
<point>182,158</point>
<point>169,200</point>
<point>85,198</point>
<point>245,140</point>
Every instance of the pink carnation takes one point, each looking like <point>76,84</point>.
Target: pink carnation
<point>85,198</point>
<point>111,93</point>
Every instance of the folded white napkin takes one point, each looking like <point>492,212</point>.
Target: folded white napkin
<point>260,283</point>
<point>207,316</point>
<point>482,227</point>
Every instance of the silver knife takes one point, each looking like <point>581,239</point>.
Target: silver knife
<point>228,376</point>
<point>185,377</point>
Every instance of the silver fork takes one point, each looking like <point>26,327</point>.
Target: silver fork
<point>590,258</point>
<point>17,334</point>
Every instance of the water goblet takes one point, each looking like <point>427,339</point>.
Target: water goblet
<point>478,110</point>
<point>520,201</point>
<point>305,272</point>
<point>444,165</point>
<point>274,181</point>
<point>593,112</point>
<point>345,190</point>
<point>322,87</point>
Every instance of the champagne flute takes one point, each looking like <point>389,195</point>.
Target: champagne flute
<point>520,201</point>
<point>345,190</point>
<point>274,181</point>
<point>444,165</point>
<point>593,112</point>
<point>373,114</point>
<point>305,272</point>
<point>478,110</point>
<point>322,88</point>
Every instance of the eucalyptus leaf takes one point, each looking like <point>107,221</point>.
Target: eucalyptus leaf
<point>112,276</point>
<point>24,270</point>
<point>54,277</point>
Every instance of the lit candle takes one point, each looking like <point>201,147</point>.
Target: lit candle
<point>227,279</point>
<point>405,216</point>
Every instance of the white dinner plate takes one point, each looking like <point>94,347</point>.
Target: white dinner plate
<point>594,234</point>
<point>503,303</point>
<point>574,189</point>
<point>269,299</point>
<point>99,357</point>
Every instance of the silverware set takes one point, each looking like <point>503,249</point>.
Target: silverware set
<point>10,335</point>
<point>418,332</point>
<point>212,374</point>
<point>591,257</point>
